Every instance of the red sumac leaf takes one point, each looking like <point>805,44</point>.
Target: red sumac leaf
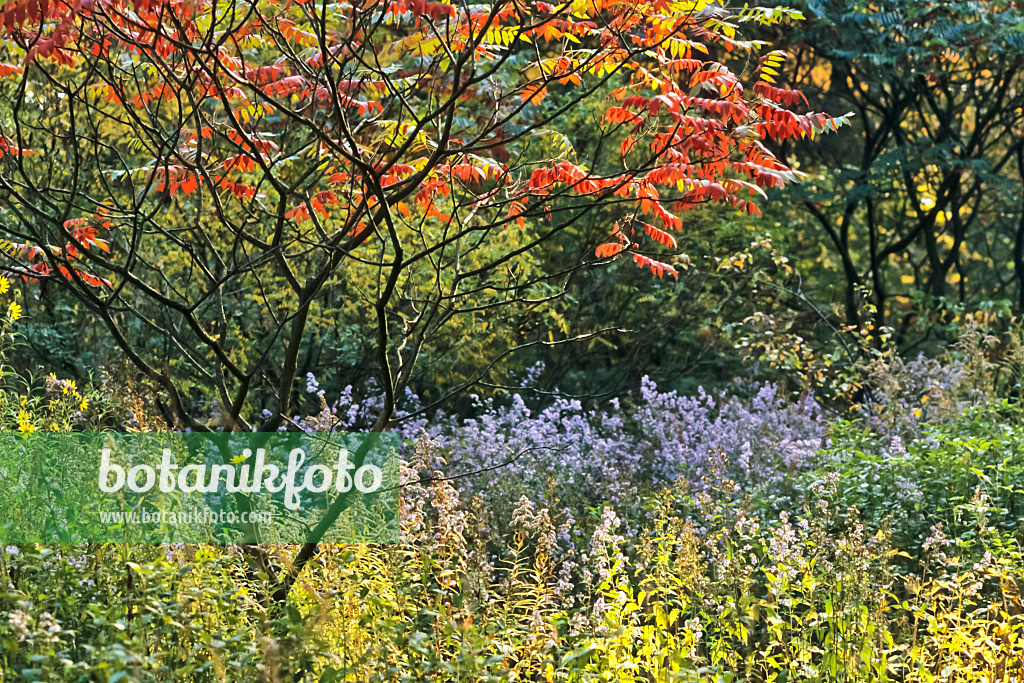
<point>656,267</point>
<point>659,235</point>
<point>609,249</point>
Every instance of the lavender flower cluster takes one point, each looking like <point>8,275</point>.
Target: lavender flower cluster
<point>571,457</point>
<point>568,455</point>
<point>650,439</point>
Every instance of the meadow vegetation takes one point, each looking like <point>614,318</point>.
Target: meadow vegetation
<point>658,537</point>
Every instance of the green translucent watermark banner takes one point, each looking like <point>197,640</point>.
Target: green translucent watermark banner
<point>198,488</point>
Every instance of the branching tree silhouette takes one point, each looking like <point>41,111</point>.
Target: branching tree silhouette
<point>923,194</point>
<point>203,175</point>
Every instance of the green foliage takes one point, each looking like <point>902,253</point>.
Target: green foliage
<point>912,217</point>
<point>119,613</point>
<point>911,487</point>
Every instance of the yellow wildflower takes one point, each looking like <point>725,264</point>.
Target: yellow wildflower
<point>5,285</point>
<point>84,405</point>
<point>25,423</point>
<point>14,310</point>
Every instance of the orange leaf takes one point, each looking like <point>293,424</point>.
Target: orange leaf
<point>657,267</point>
<point>659,235</point>
<point>609,249</point>
<point>533,94</point>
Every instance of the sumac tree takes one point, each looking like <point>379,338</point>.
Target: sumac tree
<point>237,164</point>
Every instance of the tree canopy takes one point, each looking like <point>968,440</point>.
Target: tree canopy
<point>206,178</point>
